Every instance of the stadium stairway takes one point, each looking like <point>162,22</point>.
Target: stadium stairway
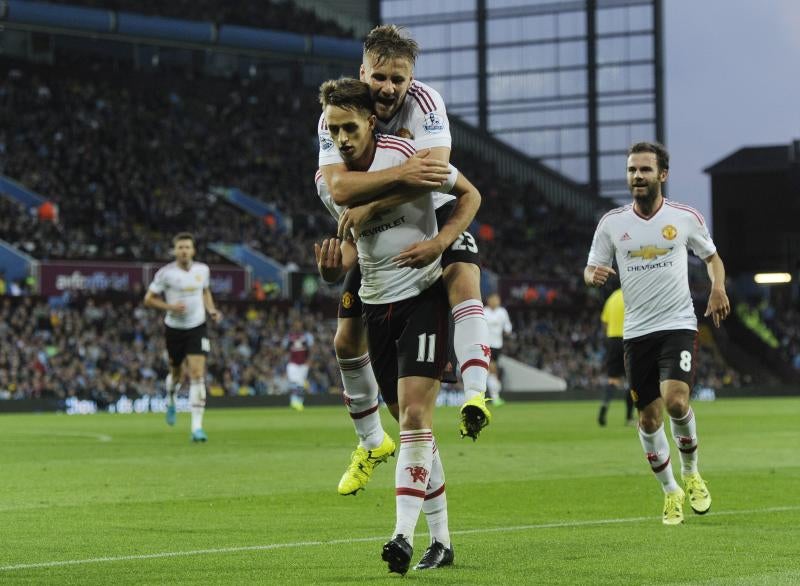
<point>741,347</point>
<point>252,205</point>
<point>264,268</point>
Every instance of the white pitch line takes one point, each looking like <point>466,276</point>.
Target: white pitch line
<point>270,546</point>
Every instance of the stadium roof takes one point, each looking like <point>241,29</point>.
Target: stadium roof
<point>755,159</point>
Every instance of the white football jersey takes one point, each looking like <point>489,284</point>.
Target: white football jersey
<point>386,235</point>
<point>185,286</point>
<point>498,323</point>
<point>652,258</point>
<point>422,113</point>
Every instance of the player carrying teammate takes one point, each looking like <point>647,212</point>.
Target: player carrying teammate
<point>406,107</point>
<point>404,309</point>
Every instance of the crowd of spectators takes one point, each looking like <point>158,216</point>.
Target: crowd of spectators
<point>101,350</point>
<point>130,158</point>
<point>283,15</point>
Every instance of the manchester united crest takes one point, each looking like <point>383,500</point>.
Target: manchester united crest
<point>669,232</point>
<point>347,300</point>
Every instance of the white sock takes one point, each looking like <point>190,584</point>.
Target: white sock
<point>172,390</point>
<point>471,344</point>
<point>656,448</point>
<point>494,386</point>
<point>361,399</point>
<point>411,479</point>
<point>435,504</point>
<point>197,402</point>
<point>684,432</point>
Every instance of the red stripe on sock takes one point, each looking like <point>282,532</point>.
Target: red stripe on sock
<point>413,439</point>
<point>662,467</point>
<point>362,414</point>
<point>435,493</point>
<point>474,362</point>
<point>688,450</point>
<point>354,365</point>
<point>420,494</point>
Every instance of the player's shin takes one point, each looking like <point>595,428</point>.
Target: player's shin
<point>656,449</point>
<point>435,504</point>
<point>411,478</point>
<point>471,344</point>
<point>684,432</point>
<point>361,399</point>
<point>197,402</point>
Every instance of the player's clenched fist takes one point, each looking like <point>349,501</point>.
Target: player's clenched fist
<point>597,276</point>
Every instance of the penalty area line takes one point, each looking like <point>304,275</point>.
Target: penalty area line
<point>298,544</point>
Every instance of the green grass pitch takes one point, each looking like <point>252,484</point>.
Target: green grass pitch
<point>544,497</point>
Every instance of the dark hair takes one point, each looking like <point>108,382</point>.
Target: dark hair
<point>389,41</point>
<point>346,93</point>
<point>659,150</point>
<point>183,236</point>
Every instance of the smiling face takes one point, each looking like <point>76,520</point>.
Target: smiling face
<point>389,80</point>
<point>352,133</point>
<point>645,178</point>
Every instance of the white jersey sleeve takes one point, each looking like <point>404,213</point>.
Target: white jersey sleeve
<point>429,124</point>
<point>327,199</point>
<point>601,254</point>
<point>506,321</point>
<point>451,180</point>
<point>699,240</point>
<point>328,153</point>
<point>159,284</point>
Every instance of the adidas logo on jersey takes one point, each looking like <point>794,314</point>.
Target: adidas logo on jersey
<point>625,237</point>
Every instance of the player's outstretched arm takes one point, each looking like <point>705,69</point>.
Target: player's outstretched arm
<point>718,305</point>
<point>419,174</point>
<point>597,276</point>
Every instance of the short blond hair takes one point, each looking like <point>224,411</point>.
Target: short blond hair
<point>389,41</point>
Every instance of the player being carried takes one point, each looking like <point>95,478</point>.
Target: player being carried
<point>403,106</point>
<point>404,307</point>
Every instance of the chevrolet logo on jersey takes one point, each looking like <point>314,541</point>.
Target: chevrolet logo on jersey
<point>648,252</point>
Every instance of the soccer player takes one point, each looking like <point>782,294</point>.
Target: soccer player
<point>650,239</point>
<point>499,324</point>
<point>409,108</point>
<point>184,285</point>
<point>612,317</point>
<point>404,310</point>
<point>298,342</point>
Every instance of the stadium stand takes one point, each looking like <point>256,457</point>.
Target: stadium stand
<point>129,158</point>
<point>269,14</point>
<point>102,349</point>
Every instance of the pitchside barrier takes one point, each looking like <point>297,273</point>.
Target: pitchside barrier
<point>451,397</point>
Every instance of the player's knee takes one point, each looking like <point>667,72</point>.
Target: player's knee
<point>462,281</point>
<point>347,344</point>
<point>677,405</point>
<point>414,416</point>
<point>650,418</point>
